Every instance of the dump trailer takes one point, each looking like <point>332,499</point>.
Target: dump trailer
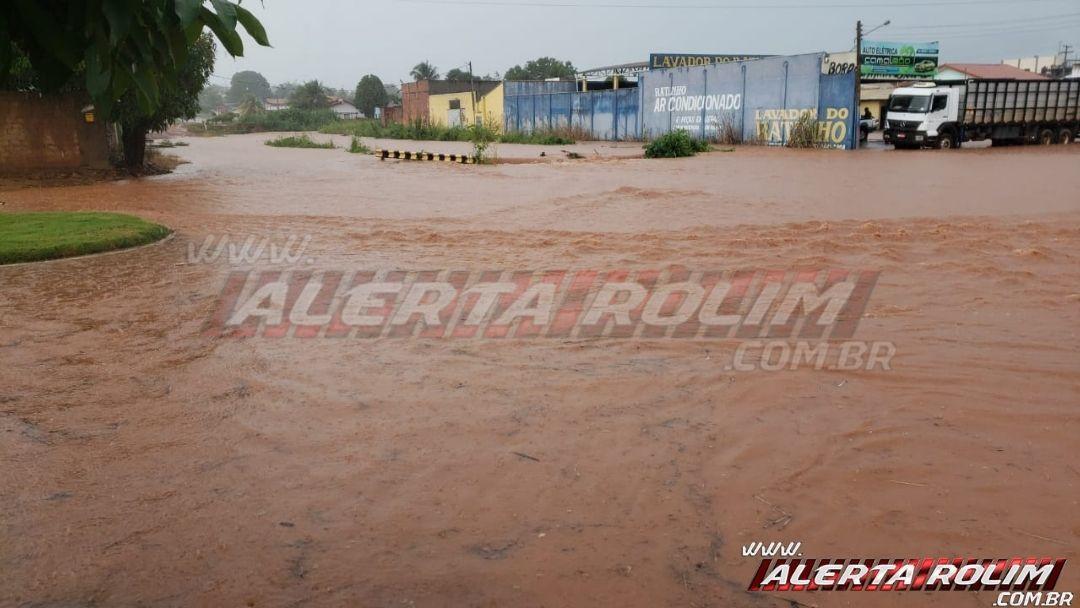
<point>945,115</point>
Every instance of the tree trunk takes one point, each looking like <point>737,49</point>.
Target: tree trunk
<point>134,140</point>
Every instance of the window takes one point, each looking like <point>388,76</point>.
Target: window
<point>917,104</point>
<point>455,104</point>
<point>940,101</point>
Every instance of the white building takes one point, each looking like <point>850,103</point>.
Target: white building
<point>273,105</point>
<point>344,109</point>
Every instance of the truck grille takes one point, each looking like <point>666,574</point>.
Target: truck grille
<point>902,124</point>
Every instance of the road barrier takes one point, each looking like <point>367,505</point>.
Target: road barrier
<point>463,159</point>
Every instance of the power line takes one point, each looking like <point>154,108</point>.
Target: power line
<point>815,5</point>
<point>1002,32</point>
<point>1025,21</point>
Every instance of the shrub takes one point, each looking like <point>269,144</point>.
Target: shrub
<point>298,141</point>
<point>675,144</point>
<point>222,118</point>
<point>804,132</point>
<point>289,119</point>
<point>357,147</point>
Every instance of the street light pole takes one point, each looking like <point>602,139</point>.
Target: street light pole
<point>857,135</point>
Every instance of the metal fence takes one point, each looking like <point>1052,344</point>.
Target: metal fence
<point>604,115</point>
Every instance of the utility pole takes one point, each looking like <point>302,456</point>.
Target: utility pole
<point>472,85</point>
<point>858,84</point>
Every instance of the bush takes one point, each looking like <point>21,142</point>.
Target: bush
<point>289,119</point>
<point>357,147</point>
<point>298,141</point>
<point>804,132</point>
<point>224,117</point>
<point>675,144</point>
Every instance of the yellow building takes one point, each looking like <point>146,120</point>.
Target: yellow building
<point>450,109</point>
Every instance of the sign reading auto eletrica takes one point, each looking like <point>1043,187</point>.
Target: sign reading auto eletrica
<point>898,60</point>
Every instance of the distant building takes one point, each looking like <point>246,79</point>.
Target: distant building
<point>1036,64</point>
<point>999,71</point>
<point>415,96</point>
<point>344,109</point>
<point>389,114</point>
<point>274,104</point>
<point>483,103</point>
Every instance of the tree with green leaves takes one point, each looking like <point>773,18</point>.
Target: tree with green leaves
<point>370,94</point>
<point>177,99</point>
<point>116,46</point>
<point>248,107</point>
<point>211,97</point>
<point>247,84</point>
<point>309,96</point>
<point>424,71</point>
<point>542,69</point>
<point>393,93</point>
<point>459,75</point>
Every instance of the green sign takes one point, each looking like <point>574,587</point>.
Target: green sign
<point>898,60</point>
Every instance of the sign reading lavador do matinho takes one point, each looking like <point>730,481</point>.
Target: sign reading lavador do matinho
<point>899,60</point>
<point>689,60</point>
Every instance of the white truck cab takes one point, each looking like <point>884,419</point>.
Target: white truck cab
<point>923,115</point>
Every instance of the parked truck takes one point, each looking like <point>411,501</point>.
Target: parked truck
<point>945,115</point>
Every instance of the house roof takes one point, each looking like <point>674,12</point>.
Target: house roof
<point>993,71</point>
<point>271,101</point>
<point>337,101</point>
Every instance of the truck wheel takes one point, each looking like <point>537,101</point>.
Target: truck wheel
<point>948,140</point>
<point>1046,137</point>
<point>1065,137</point>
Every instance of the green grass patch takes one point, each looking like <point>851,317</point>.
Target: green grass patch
<point>299,141</point>
<point>30,237</point>
<point>423,131</point>
<point>675,144</point>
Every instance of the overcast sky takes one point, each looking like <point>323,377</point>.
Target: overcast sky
<point>338,41</point>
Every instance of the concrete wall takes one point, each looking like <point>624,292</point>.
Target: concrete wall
<point>414,101</point>
<point>48,133</point>
<point>760,100</point>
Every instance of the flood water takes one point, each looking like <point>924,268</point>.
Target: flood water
<point>147,462</point>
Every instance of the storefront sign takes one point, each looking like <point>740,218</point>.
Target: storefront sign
<point>899,60</point>
<point>684,60</point>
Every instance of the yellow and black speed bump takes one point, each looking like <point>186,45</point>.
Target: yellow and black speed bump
<point>463,159</point>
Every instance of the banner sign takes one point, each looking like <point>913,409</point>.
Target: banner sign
<point>899,60</point>
<point>688,60</point>
<point>839,63</point>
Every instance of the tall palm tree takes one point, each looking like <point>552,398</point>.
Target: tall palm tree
<point>424,71</point>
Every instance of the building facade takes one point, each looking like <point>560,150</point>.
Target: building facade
<point>483,106</point>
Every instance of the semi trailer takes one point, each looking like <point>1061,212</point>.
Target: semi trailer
<point>945,115</point>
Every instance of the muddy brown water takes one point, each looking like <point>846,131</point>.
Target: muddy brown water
<point>144,463</point>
